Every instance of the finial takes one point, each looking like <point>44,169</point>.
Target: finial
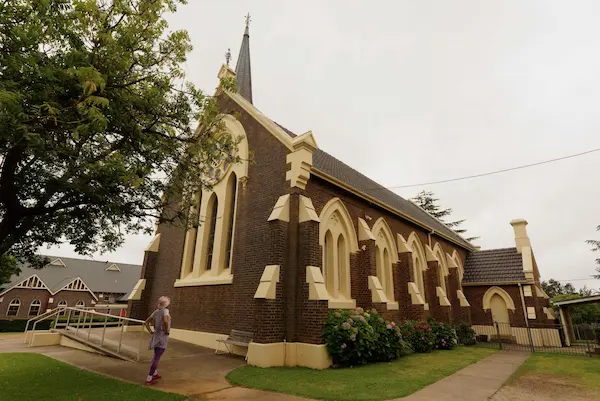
<point>228,56</point>
<point>248,20</point>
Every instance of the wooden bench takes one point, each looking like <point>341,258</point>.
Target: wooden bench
<point>237,337</point>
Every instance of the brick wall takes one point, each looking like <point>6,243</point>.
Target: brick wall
<point>221,308</point>
<point>481,317</point>
<point>27,296</point>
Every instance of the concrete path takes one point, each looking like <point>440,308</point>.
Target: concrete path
<point>186,369</point>
<point>477,382</point>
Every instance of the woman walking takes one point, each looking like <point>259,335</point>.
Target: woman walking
<point>161,320</point>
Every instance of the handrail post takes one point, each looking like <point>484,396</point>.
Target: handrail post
<point>56,320</point>
<point>68,319</point>
<point>90,328</point>
<point>121,337</point>
<point>498,334</point>
<point>78,321</point>
<point>103,331</point>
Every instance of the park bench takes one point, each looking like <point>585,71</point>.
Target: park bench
<point>237,337</point>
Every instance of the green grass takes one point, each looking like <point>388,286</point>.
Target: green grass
<point>29,377</point>
<point>379,381</point>
<point>584,371</point>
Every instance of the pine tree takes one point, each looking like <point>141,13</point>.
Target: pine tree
<point>595,248</point>
<point>428,202</point>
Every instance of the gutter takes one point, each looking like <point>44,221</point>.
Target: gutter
<point>479,283</point>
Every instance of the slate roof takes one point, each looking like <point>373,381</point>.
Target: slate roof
<point>326,163</point>
<point>92,272</point>
<point>243,72</point>
<point>494,265</point>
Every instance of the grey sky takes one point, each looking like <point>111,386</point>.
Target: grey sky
<point>415,91</point>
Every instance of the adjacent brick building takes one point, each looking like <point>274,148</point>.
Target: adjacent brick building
<point>66,282</point>
<point>296,233</point>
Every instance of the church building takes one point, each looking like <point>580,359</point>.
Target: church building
<point>298,233</point>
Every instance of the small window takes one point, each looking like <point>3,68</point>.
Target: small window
<point>62,304</point>
<point>79,304</point>
<point>232,193</point>
<point>34,308</point>
<point>530,312</point>
<point>211,233</point>
<point>13,308</point>
<point>527,291</point>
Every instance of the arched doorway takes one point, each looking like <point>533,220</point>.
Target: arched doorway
<point>500,314</point>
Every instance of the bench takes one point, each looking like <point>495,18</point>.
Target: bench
<point>237,337</point>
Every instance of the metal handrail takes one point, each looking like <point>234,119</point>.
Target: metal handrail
<point>37,318</point>
<point>55,311</point>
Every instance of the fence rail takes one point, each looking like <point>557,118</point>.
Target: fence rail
<point>549,338</point>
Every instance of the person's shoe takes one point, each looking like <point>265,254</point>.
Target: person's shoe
<point>156,377</point>
<point>151,382</point>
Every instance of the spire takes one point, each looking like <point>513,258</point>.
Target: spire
<point>243,73</point>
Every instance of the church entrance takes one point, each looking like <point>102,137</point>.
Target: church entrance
<point>500,315</point>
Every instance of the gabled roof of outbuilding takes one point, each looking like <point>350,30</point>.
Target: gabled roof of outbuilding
<point>494,266</point>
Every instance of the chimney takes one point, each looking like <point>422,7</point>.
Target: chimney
<point>521,238</point>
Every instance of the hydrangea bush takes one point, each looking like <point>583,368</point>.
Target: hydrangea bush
<point>445,337</point>
<point>356,337</point>
<point>419,335</point>
<point>465,333</point>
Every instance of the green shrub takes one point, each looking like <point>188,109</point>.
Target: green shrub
<point>355,337</point>
<point>445,337</point>
<point>18,325</point>
<point>419,335</point>
<point>465,333</point>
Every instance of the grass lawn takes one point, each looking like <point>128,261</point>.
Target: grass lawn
<point>379,381</point>
<point>29,377</point>
<point>582,370</point>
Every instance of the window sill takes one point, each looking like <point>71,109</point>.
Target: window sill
<point>341,304</point>
<point>393,305</point>
<point>205,280</point>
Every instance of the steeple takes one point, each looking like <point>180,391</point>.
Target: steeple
<point>243,74</point>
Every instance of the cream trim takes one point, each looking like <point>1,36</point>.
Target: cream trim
<point>364,232</point>
<point>486,283</point>
<point>136,293</point>
<point>113,268</point>
<point>393,306</point>
<point>281,210</point>
<point>403,245</point>
<point>205,279</point>
<point>382,231</point>
<point>429,254</point>
<point>418,255</point>
<point>341,304</point>
<point>462,298</point>
<point>205,339</point>
<point>503,294</point>
<point>268,283</point>
<point>549,313</point>
<point>24,283</point>
<point>440,256</point>
<point>369,198</point>
<point>307,210</point>
<point>269,125</point>
<point>521,238</point>
<point>531,312</point>
<point>441,294</point>
<point>541,293</point>
<point>335,204</point>
<point>154,244</point>
<point>58,262</point>
<point>527,291</point>
<point>527,262</point>
<point>451,262</point>
<point>84,288</point>
<point>415,295</point>
<point>314,356</point>
<point>377,293</point>
<point>300,161</point>
<point>316,284</point>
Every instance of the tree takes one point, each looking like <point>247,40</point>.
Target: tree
<point>595,248</point>
<point>428,202</point>
<point>554,288</point>
<point>96,136</point>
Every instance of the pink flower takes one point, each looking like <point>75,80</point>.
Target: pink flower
<point>367,315</point>
<point>389,326</point>
<point>344,346</point>
<point>353,337</point>
<point>362,319</point>
<point>393,324</point>
<point>359,310</point>
<point>338,314</point>
<point>346,326</point>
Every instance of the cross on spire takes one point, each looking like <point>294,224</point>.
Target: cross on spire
<point>248,20</point>
<point>228,56</point>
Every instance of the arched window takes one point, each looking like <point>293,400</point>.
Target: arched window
<point>442,270</point>
<point>62,304</point>
<point>230,213</point>
<point>211,219</point>
<point>338,240</point>
<point>419,262</point>
<point>189,247</point>
<point>386,254</point>
<point>13,307</point>
<point>79,304</point>
<point>34,308</point>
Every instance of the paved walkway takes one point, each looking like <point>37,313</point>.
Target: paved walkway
<point>477,382</point>
<point>186,369</point>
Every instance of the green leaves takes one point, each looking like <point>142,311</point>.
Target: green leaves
<point>96,128</point>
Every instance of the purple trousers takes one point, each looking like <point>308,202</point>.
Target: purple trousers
<point>157,354</point>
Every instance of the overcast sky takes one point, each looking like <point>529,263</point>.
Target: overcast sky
<point>416,91</point>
